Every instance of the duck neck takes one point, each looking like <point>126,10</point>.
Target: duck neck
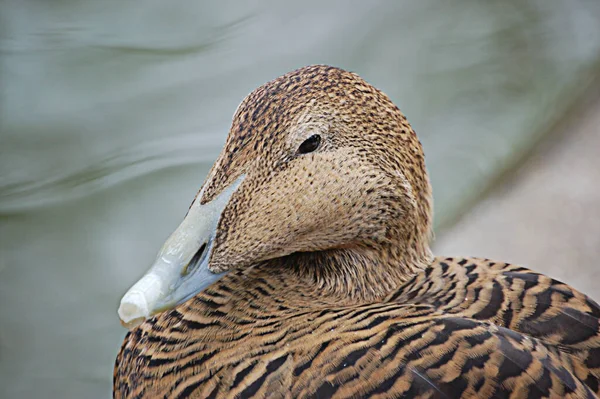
<point>359,274</point>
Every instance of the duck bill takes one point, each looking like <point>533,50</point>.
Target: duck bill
<point>181,268</point>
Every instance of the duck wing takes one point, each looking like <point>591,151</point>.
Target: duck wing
<point>442,357</point>
<point>518,299</point>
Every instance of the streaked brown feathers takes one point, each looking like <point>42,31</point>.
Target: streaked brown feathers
<point>467,327</point>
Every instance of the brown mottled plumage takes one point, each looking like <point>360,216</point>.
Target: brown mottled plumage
<point>332,289</point>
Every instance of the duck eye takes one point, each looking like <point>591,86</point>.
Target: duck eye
<point>310,144</point>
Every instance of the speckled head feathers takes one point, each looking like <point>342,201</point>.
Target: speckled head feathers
<point>365,186</point>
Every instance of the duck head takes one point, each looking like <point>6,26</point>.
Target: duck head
<point>320,173</point>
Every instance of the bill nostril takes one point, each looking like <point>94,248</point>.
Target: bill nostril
<point>193,263</point>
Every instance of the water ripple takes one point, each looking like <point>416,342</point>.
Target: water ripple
<point>114,168</point>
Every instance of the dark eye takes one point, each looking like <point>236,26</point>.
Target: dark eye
<point>310,144</point>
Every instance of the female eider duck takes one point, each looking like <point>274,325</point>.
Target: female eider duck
<point>303,270</point>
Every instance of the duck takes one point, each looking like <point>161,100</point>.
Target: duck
<point>303,269</point>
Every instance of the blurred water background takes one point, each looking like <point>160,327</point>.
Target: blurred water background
<point>111,113</point>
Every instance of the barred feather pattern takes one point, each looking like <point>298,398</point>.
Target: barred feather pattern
<point>460,328</point>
